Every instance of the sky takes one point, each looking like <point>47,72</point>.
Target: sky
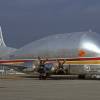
<point>24,21</point>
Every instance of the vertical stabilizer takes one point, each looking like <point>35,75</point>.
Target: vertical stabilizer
<point>2,43</point>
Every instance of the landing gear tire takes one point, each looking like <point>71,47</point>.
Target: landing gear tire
<point>81,76</point>
<point>60,72</point>
<point>43,76</point>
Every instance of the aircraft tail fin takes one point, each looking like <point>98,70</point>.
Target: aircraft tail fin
<point>2,43</point>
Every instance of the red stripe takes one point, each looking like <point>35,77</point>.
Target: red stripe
<point>67,59</point>
<point>82,59</point>
<point>75,59</point>
<point>12,61</point>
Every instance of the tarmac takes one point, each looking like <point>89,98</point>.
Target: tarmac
<point>34,89</point>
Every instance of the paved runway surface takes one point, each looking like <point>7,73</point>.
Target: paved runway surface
<point>30,89</point>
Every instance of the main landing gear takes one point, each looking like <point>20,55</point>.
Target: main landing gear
<point>60,68</point>
<point>43,74</point>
